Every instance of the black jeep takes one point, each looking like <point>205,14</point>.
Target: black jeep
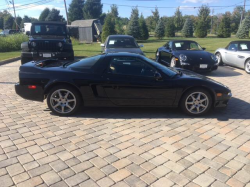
<point>47,40</point>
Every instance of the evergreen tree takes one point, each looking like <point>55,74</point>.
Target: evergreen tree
<point>108,27</point>
<point>19,21</point>
<point>44,14</point>
<point>76,10</point>
<point>203,22</point>
<point>170,28</point>
<point>92,9</point>
<point>114,11</point>
<point>244,29</point>
<point>150,23</point>
<point>54,15</point>
<point>224,30</point>
<point>187,30</point>
<point>156,17</point>
<point>160,30</point>
<point>143,29</point>
<point>8,22</point>
<point>133,25</point>
<point>178,19</point>
<point>235,18</point>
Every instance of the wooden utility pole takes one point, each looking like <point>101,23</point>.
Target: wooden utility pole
<point>13,4</point>
<point>243,12</point>
<point>66,12</point>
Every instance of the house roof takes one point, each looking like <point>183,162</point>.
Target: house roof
<point>83,23</point>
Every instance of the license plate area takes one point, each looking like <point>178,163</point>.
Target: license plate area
<point>203,66</point>
<point>46,55</point>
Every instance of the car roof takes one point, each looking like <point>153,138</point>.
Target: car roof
<point>122,36</point>
<point>123,54</point>
<point>240,41</point>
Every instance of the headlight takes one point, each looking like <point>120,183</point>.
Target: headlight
<point>214,57</point>
<point>157,54</point>
<point>183,57</point>
<point>60,44</point>
<point>33,44</point>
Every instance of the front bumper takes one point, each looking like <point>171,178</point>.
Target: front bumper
<point>30,94</point>
<point>41,54</point>
<point>196,68</point>
<point>222,101</point>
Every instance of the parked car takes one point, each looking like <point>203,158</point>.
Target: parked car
<point>186,54</point>
<point>118,80</point>
<point>9,32</point>
<point>47,40</point>
<point>237,54</point>
<point>121,43</point>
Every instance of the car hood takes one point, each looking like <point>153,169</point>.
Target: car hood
<point>129,50</point>
<point>49,37</point>
<point>195,55</point>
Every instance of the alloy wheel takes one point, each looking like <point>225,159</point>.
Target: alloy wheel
<point>173,63</point>
<point>197,102</point>
<point>247,66</point>
<point>63,101</point>
<point>218,58</point>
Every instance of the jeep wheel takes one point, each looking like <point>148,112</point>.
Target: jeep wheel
<point>25,60</point>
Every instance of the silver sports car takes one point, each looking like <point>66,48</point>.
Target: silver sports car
<point>236,54</point>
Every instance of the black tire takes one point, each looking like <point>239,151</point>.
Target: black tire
<point>247,66</point>
<point>62,101</point>
<point>220,61</point>
<point>186,99</point>
<point>25,60</point>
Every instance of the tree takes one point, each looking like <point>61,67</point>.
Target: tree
<point>170,28</point>
<point>108,27</point>
<point>19,21</point>
<point>187,30</point>
<point>25,19</point>
<point>92,9</point>
<point>224,30</point>
<point>44,14</point>
<point>133,25</point>
<point>244,29</point>
<point>143,29</point>
<point>160,30</point>
<point>54,15</point>
<point>156,17</point>
<point>203,22</point>
<point>8,22</point>
<point>76,10</point>
<point>150,23</point>
<point>178,19</point>
<point>114,11</point>
<point>235,18</point>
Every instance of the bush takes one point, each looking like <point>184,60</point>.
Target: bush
<point>12,42</point>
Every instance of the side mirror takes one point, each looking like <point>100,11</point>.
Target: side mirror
<point>102,45</point>
<point>157,76</point>
<point>204,48</point>
<point>28,33</point>
<point>141,45</point>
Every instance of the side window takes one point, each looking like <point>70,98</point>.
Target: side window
<point>244,47</point>
<point>130,66</point>
<point>193,46</point>
<point>233,47</point>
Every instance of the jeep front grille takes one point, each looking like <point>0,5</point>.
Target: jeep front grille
<point>47,46</point>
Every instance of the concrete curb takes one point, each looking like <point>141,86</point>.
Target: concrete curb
<point>9,60</point>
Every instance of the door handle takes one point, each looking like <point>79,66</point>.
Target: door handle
<point>225,52</point>
<point>240,56</point>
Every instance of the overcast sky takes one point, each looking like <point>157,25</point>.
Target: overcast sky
<point>187,6</point>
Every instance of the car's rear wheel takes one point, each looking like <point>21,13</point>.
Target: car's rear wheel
<point>63,100</point>
<point>173,62</point>
<point>196,102</point>
<point>219,58</point>
<point>247,66</point>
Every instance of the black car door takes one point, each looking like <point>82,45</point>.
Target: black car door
<point>130,81</point>
<point>166,53</point>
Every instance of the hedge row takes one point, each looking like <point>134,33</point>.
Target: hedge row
<point>12,42</point>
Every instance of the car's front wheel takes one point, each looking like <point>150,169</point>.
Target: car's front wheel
<point>219,58</point>
<point>173,62</point>
<point>247,66</point>
<point>196,102</point>
<point>63,100</point>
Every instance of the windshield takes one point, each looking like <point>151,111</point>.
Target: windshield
<point>48,29</point>
<point>164,69</point>
<point>122,42</point>
<point>187,45</point>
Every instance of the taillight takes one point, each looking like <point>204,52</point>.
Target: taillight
<point>32,87</point>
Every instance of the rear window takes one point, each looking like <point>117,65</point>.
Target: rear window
<point>86,63</point>
<point>122,42</point>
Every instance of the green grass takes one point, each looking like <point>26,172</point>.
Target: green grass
<point>211,43</point>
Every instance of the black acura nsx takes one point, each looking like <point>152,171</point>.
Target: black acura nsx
<point>188,55</point>
<point>118,80</point>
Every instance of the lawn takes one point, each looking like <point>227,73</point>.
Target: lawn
<point>211,43</point>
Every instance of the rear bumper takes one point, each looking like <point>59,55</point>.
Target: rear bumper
<point>30,94</point>
<point>222,102</point>
<point>39,55</point>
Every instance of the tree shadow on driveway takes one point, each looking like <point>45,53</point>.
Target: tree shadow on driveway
<point>237,109</point>
<point>223,71</point>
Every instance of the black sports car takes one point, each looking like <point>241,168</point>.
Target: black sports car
<point>186,54</point>
<point>119,79</point>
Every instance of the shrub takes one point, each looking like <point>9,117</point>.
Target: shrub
<point>12,42</point>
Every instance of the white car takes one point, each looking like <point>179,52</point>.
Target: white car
<point>236,54</point>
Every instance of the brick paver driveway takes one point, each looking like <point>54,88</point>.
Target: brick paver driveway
<point>124,147</point>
